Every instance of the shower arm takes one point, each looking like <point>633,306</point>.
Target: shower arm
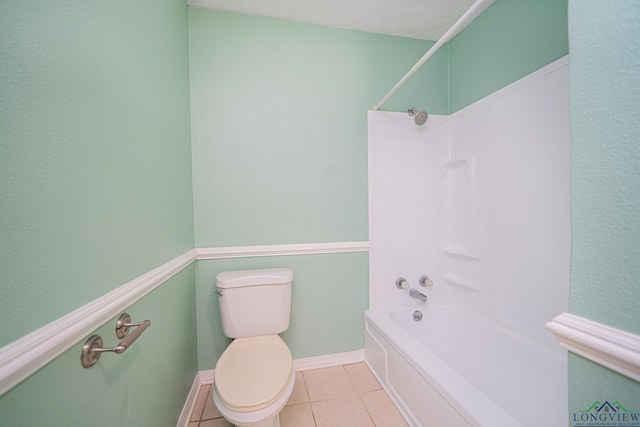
<point>476,9</point>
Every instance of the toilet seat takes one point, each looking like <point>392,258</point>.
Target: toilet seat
<point>253,373</point>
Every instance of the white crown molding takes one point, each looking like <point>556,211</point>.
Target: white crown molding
<point>610,347</point>
<point>25,356</point>
<point>278,250</point>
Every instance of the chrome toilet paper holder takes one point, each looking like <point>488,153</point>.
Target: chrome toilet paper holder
<point>93,347</point>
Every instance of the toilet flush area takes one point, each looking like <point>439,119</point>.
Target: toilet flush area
<point>479,202</point>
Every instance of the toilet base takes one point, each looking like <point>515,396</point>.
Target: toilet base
<point>273,422</point>
<point>258,418</point>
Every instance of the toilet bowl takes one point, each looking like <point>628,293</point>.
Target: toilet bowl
<point>266,417</point>
<point>254,377</point>
<point>253,381</point>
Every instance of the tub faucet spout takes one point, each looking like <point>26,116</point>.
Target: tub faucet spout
<point>418,295</point>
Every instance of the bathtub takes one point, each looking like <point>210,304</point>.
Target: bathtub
<point>455,369</point>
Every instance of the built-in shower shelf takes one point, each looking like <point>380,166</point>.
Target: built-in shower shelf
<point>461,253</point>
<point>460,217</point>
<point>457,281</point>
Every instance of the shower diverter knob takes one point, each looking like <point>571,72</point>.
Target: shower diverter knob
<point>401,283</point>
<point>425,281</point>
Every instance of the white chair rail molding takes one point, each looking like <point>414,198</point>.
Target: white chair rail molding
<point>617,350</point>
<point>25,356</point>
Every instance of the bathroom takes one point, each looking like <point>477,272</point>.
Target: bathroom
<point>127,126</point>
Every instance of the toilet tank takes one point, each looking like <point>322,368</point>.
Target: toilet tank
<point>255,302</point>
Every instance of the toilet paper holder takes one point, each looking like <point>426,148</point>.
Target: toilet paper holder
<point>93,347</point>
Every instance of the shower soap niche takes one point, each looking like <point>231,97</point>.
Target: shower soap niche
<point>461,221</point>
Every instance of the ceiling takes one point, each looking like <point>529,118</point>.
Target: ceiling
<point>419,19</point>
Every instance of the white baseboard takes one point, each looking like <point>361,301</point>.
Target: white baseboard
<point>206,377</point>
<point>328,360</point>
<point>190,403</point>
<point>305,364</point>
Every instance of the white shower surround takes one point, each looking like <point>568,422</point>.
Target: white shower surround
<point>479,201</point>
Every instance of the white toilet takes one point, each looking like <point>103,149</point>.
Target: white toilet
<point>254,376</point>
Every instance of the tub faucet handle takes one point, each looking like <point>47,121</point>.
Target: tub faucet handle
<point>401,283</point>
<point>425,281</point>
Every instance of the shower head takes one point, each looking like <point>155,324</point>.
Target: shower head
<point>419,117</point>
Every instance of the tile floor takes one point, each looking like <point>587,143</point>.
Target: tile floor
<point>341,396</point>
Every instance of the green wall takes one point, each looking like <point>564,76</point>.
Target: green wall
<point>95,165</point>
<point>279,140</point>
<point>509,40</point>
<point>96,173</point>
<point>605,106</point>
<point>145,386</point>
<point>279,125</point>
<point>95,183</point>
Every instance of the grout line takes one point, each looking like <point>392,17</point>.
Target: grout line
<point>366,409</point>
<point>313,415</point>
<point>306,391</point>
<point>209,395</point>
<point>200,390</point>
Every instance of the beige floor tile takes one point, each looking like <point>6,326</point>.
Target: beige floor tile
<point>382,410</point>
<point>327,383</point>
<point>346,411</point>
<point>297,416</point>
<point>200,401</point>
<point>218,422</point>
<point>210,410</point>
<point>325,397</point>
<point>362,377</point>
<point>299,393</point>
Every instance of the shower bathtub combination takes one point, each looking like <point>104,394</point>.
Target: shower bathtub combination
<point>461,198</point>
<point>453,368</point>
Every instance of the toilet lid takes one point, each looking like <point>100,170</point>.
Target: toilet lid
<point>253,372</point>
